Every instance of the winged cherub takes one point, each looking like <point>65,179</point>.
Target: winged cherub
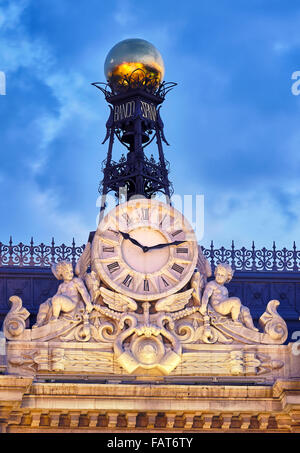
<point>217,295</point>
<point>91,279</point>
<point>200,276</point>
<point>68,297</point>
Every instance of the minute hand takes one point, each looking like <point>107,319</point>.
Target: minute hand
<point>166,244</point>
<point>134,241</point>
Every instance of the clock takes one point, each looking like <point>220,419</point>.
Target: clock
<point>144,249</point>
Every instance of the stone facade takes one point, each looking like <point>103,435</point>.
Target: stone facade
<point>28,406</point>
<point>99,358</point>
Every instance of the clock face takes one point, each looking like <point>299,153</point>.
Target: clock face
<point>144,249</point>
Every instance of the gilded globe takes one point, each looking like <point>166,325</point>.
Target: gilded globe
<point>134,60</point>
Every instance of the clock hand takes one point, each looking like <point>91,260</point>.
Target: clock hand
<point>161,246</point>
<point>146,248</point>
<point>134,241</point>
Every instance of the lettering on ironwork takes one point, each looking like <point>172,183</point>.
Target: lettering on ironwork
<point>148,111</point>
<point>124,111</point>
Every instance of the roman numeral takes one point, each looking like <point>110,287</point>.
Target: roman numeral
<point>126,218</point>
<point>176,233</point>
<point>113,267</point>
<point>177,268</point>
<point>165,281</point>
<point>162,220</point>
<point>146,285</point>
<point>182,250</point>
<point>145,214</point>
<point>108,249</point>
<point>127,281</point>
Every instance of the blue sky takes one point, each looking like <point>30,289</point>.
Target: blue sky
<point>232,122</point>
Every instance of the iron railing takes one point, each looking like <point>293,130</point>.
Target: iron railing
<point>253,259</point>
<point>40,255</point>
<point>241,259</point>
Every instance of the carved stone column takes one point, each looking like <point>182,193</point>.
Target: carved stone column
<point>112,419</point>
<point>74,419</point>
<point>226,420</point>
<point>131,419</point>
<point>170,420</point>
<point>207,420</point>
<point>35,420</point>
<point>246,420</point>
<point>283,421</point>
<point>54,419</point>
<point>93,417</point>
<point>189,420</point>
<point>263,420</point>
<point>151,420</point>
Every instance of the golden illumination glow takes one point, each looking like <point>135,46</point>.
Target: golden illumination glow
<point>134,60</point>
<point>128,69</point>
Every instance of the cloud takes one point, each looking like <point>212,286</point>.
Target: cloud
<point>123,14</point>
<point>66,224</point>
<point>43,102</point>
<point>262,217</point>
<point>11,13</point>
<point>38,213</point>
<point>232,121</point>
<point>70,107</point>
<point>17,49</point>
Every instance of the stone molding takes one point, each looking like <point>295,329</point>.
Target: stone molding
<point>28,406</point>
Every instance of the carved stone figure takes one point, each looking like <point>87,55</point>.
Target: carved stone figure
<point>91,279</point>
<point>203,266</point>
<point>200,276</point>
<point>216,294</point>
<point>71,294</point>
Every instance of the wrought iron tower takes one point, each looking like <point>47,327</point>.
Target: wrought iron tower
<point>135,100</point>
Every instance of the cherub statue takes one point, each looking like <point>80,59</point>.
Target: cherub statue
<point>69,296</point>
<point>216,294</point>
<point>91,279</point>
<point>200,276</point>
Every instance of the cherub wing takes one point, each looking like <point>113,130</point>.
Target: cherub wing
<point>93,284</point>
<point>197,283</point>
<point>203,264</point>
<point>117,301</point>
<point>174,302</point>
<point>92,281</point>
<point>84,261</point>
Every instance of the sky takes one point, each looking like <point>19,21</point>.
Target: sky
<point>233,122</point>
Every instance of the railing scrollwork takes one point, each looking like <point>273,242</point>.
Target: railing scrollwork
<point>240,259</point>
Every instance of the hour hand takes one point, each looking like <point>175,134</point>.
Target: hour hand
<point>134,241</point>
<point>166,244</point>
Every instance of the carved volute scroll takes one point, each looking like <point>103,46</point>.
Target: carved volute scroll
<point>15,322</point>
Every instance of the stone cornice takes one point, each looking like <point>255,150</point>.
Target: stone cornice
<point>40,407</point>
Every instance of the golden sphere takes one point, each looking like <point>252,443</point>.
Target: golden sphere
<point>132,60</point>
